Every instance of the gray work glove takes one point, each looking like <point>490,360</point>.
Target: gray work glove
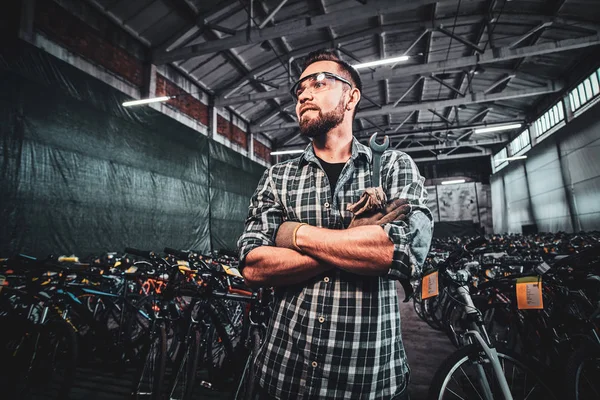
<point>286,235</point>
<point>396,210</point>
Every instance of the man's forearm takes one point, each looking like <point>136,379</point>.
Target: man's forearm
<point>365,250</point>
<point>274,266</point>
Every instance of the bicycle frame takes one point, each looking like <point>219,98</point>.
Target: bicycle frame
<point>480,335</point>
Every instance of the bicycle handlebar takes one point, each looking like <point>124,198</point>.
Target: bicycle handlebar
<point>141,253</point>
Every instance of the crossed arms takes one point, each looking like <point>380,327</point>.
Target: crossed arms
<point>364,250</point>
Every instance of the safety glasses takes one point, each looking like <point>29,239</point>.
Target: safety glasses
<point>315,83</point>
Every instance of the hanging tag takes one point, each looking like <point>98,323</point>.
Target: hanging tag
<point>529,293</point>
<point>429,286</point>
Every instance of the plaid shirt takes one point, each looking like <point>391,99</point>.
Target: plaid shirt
<point>337,336</point>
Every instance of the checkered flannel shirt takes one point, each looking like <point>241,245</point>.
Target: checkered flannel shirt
<point>337,336</point>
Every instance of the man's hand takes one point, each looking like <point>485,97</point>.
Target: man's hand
<point>396,210</point>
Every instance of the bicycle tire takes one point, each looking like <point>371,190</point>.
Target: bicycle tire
<point>473,356</point>
<point>185,368</point>
<point>588,353</point>
<point>42,359</point>
<point>149,377</point>
<point>218,339</point>
<point>251,378</point>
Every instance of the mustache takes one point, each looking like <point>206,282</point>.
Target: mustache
<point>308,107</point>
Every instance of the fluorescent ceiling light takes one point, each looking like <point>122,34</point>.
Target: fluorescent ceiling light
<point>498,128</point>
<point>511,158</point>
<point>146,101</point>
<point>453,182</point>
<point>282,152</point>
<point>382,62</point>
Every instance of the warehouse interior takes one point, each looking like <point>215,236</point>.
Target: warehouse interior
<point>494,100</point>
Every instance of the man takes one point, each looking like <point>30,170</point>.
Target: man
<point>335,329</point>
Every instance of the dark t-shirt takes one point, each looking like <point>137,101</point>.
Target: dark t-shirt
<point>333,172</point>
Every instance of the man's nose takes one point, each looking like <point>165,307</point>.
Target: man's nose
<point>305,95</point>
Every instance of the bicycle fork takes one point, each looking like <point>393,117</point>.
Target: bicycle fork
<point>490,352</point>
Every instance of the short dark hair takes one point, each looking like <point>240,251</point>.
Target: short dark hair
<point>348,70</point>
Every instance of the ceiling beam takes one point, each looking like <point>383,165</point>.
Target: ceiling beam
<point>307,24</point>
<point>474,98</point>
<point>442,157</point>
<point>497,55</point>
<point>411,26</point>
<point>302,25</point>
<point>453,144</point>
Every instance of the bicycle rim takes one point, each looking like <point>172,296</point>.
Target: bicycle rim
<point>471,375</point>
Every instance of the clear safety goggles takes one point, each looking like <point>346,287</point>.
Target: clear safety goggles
<point>315,83</point>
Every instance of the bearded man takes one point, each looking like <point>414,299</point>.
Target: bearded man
<point>335,328</point>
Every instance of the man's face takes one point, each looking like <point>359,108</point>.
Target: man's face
<point>320,112</point>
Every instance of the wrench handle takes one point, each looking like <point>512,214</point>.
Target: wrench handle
<point>376,168</point>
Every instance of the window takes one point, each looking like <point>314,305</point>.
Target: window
<point>561,112</point>
<point>550,118</point>
<point>588,88</point>
<point>521,144</point>
<point>499,160</point>
<point>595,87</point>
<point>584,92</point>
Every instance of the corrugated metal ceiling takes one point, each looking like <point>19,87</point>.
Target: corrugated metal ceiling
<point>428,31</point>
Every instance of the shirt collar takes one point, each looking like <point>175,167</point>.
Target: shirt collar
<point>358,150</point>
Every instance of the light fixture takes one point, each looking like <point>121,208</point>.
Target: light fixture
<point>381,62</point>
<point>452,182</point>
<point>282,152</point>
<point>147,101</point>
<point>513,158</point>
<point>498,128</point>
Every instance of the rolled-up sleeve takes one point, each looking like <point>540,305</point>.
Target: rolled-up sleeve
<point>411,238</point>
<point>265,214</point>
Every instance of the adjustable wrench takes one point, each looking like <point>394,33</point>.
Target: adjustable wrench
<point>378,150</point>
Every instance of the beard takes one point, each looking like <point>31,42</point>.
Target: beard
<point>323,123</point>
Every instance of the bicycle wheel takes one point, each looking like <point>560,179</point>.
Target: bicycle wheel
<point>184,373</point>
<point>250,375</point>
<point>468,374</point>
<point>583,373</point>
<point>149,377</point>
<point>42,359</point>
<point>217,339</point>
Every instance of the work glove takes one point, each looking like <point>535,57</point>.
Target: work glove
<point>286,235</point>
<point>372,199</point>
<point>396,210</point>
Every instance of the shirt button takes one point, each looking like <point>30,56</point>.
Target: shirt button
<point>326,205</point>
<point>314,364</point>
<point>326,279</point>
<point>321,319</point>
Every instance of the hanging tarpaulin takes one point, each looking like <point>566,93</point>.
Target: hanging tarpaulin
<point>83,175</point>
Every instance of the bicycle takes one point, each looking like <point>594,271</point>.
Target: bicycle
<point>479,370</point>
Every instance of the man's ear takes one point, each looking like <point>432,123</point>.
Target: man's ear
<point>354,99</point>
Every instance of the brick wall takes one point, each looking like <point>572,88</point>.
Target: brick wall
<point>188,105</point>
<point>262,151</point>
<point>231,132</point>
<point>75,35</point>
<point>86,41</point>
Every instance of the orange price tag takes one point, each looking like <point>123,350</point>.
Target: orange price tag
<point>529,293</point>
<point>429,286</point>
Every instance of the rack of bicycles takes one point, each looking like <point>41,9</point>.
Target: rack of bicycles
<point>173,322</point>
<point>523,312</point>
